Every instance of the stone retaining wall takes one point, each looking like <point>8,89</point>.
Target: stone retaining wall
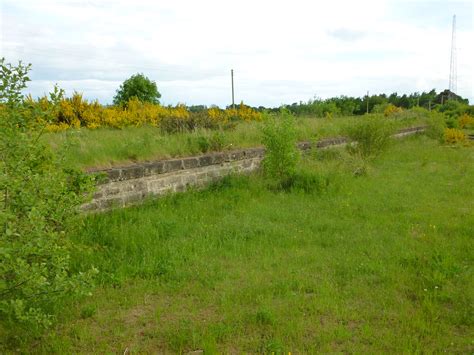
<point>122,186</point>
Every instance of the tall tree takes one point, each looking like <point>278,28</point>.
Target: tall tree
<point>138,86</point>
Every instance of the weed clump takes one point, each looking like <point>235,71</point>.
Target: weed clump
<point>436,126</point>
<point>371,136</point>
<point>282,155</point>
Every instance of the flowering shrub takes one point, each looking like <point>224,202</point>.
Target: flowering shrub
<point>454,136</point>
<point>466,121</point>
<point>391,110</point>
<point>75,112</point>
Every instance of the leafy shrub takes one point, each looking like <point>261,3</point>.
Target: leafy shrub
<point>466,121</point>
<point>436,126</point>
<point>370,136</point>
<point>279,138</point>
<point>75,112</point>
<point>391,110</point>
<point>137,86</point>
<point>452,122</point>
<point>454,136</point>
<point>203,144</point>
<point>452,109</point>
<point>217,141</point>
<point>39,201</point>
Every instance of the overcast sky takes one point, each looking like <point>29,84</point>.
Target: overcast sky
<point>281,51</point>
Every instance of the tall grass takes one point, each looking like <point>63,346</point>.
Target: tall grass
<point>105,147</point>
<point>377,263</point>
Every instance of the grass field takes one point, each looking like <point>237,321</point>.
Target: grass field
<point>106,147</point>
<point>375,263</point>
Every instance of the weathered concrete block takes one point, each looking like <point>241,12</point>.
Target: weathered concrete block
<point>189,179</point>
<point>246,163</point>
<point>173,180</point>
<point>132,172</point>
<point>205,160</point>
<point>304,145</point>
<point>254,152</point>
<point>154,168</point>
<point>110,190</point>
<point>173,165</point>
<point>114,174</point>
<point>190,163</point>
<point>218,158</point>
<point>155,184</point>
<point>134,185</point>
<point>237,155</point>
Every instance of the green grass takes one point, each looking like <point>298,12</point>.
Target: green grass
<point>106,147</point>
<point>374,263</point>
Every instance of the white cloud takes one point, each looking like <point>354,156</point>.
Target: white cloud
<point>281,51</point>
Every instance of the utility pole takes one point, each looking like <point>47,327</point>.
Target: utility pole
<point>232,79</point>
<point>367,101</point>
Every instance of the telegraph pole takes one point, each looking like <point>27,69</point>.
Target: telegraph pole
<point>232,80</point>
<point>367,101</point>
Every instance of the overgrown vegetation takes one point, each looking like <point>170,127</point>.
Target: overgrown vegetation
<point>370,137</point>
<point>281,155</point>
<point>75,112</point>
<point>320,261</point>
<point>105,147</point>
<point>38,202</point>
<point>379,263</point>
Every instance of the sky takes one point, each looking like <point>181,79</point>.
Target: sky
<point>281,51</point>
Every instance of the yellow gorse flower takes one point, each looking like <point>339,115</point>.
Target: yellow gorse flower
<point>76,112</point>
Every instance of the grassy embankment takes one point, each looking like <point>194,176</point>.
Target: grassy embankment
<point>106,147</point>
<point>375,263</point>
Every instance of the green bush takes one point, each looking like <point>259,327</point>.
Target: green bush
<point>39,199</point>
<point>370,136</point>
<point>217,141</point>
<point>138,86</point>
<point>279,138</point>
<point>203,144</point>
<point>453,109</point>
<point>436,125</point>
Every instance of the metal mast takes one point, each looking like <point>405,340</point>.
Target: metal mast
<point>453,70</point>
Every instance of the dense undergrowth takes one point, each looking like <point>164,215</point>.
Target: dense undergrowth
<point>378,262</point>
<point>105,147</point>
